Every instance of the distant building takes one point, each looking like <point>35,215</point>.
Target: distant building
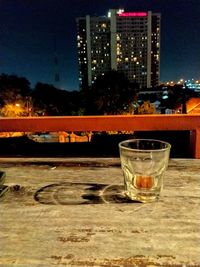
<point>193,85</point>
<point>122,41</point>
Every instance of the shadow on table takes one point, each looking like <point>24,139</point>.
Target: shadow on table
<point>80,194</point>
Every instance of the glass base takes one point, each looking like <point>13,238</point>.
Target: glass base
<point>143,197</point>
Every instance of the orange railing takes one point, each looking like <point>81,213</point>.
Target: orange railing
<point>108,123</point>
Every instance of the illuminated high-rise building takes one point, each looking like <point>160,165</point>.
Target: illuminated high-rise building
<point>128,42</point>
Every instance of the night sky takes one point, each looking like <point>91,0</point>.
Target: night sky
<point>28,29</point>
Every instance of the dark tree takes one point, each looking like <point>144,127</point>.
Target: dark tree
<point>48,100</point>
<point>13,88</point>
<point>111,93</point>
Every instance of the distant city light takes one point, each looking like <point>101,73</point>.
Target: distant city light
<point>165,97</point>
<point>120,11</point>
<point>192,84</point>
<point>133,14</point>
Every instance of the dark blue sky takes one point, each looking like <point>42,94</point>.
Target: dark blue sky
<point>28,29</point>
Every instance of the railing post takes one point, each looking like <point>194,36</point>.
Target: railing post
<point>195,143</point>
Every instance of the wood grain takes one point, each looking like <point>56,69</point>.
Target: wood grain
<point>70,212</point>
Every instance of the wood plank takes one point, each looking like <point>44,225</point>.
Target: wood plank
<point>102,123</point>
<point>61,214</point>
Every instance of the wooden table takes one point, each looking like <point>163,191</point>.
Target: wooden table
<point>70,212</point>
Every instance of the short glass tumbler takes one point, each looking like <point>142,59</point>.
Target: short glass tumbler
<point>143,163</point>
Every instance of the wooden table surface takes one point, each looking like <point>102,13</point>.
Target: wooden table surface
<point>71,212</point>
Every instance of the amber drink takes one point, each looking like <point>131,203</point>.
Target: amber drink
<point>143,163</point>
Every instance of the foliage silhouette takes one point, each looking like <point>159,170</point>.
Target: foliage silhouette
<point>111,93</point>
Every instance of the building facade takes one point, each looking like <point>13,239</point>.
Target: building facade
<point>128,42</point>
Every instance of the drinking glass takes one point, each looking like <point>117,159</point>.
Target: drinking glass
<point>143,163</point>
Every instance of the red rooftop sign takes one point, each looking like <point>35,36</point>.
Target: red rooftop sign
<point>133,14</point>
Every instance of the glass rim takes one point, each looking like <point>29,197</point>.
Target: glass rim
<point>168,145</point>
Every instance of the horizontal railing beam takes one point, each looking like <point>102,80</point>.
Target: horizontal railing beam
<point>178,122</point>
<point>101,123</point>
